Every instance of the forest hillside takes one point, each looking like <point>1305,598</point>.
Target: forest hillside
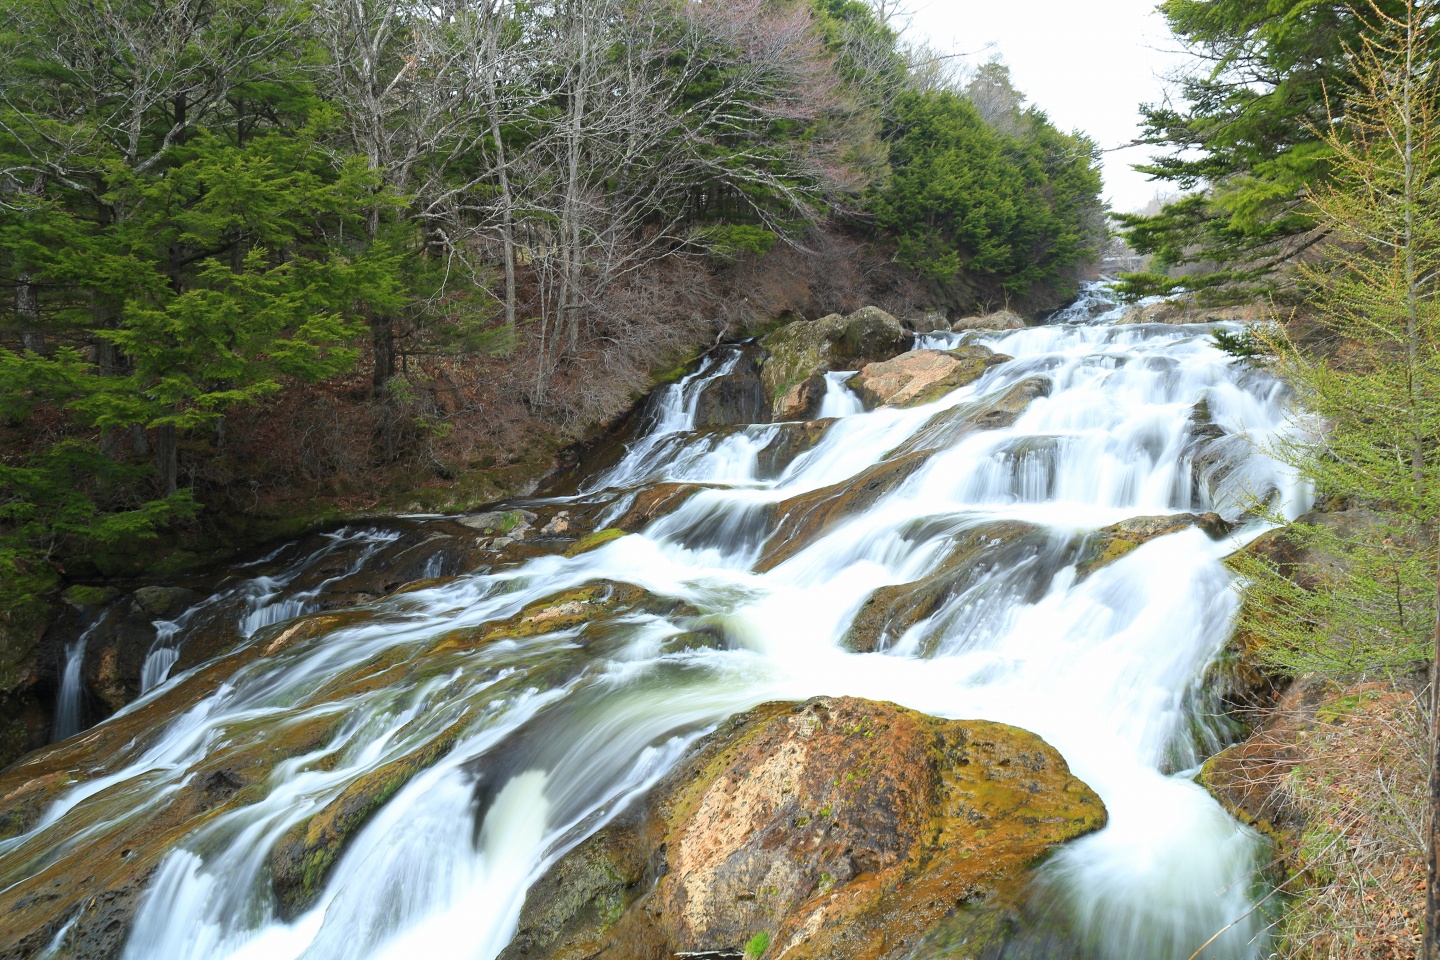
<point>270,263</point>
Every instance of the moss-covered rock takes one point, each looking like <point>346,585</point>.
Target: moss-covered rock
<point>836,828</point>
<point>24,724</point>
<point>802,349</point>
<point>592,541</point>
<point>593,602</point>
<point>305,855</point>
<point>1119,539</point>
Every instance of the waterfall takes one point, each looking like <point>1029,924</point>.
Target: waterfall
<point>70,701</point>
<point>839,400</point>
<point>554,734</point>
<point>263,600</point>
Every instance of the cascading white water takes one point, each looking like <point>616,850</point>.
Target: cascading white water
<point>263,601</point>
<point>840,400</point>
<point>70,701</point>
<point>557,732</point>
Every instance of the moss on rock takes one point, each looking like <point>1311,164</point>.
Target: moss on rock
<point>839,828</point>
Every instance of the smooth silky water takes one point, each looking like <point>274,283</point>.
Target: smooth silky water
<point>555,734</point>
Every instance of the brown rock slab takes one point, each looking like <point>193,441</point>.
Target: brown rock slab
<point>999,320</point>
<point>803,400</point>
<point>921,376</point>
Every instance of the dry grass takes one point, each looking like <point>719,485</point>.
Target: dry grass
<point>1344,778</point>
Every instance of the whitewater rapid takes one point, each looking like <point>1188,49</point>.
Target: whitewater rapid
<point>1108,669</point>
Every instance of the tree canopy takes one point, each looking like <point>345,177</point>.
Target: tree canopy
<point>209,205</point>
<point>1244,139</point>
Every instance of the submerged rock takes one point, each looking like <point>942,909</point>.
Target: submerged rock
<point>791,440</point>
<point>802,519</point>
<point>656,501</point>
<point>836,828</point>
<point>800,350</point>
<point>921,376</point>
<point>986,413</point>
<point>976,554</point>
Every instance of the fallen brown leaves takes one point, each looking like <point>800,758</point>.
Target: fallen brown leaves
<point>1354,788</point>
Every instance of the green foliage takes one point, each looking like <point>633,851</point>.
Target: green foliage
<point>1242,344</point>
<point>732,241</point>
<point>1246,143</point>
<point>1020,209</point>
<point>71,491</point>
<point>1366,607</point>
<point>1371,415</point>
<point>756,946</point>
<point>241,207</point>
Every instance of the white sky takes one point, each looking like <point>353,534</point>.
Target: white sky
<point>1089,64</point>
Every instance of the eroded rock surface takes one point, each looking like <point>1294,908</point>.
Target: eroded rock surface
<point>836,828</point>
<point>999,320</point>
<point>975,555</point>
<point>921,376</point>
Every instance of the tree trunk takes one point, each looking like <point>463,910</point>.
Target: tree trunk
<point>1430,947</point>
<point>27,311</point>
<point>382,339</point>
<point>502,173</point>
<point>167,459</point>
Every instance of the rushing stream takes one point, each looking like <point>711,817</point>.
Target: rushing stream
<point>554,733</point>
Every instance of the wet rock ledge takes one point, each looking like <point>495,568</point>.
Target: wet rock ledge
<point>834,828</point>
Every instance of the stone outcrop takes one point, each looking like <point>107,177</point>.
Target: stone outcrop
<point>836,828</point>
<point>921,376</point>
<point>738,397</point>
<point>803,400</point>
<point>1185,310</point>
<point>999,320</point>
<point>1115,541</point>
<point>926,321</point>
<point>802,349</point>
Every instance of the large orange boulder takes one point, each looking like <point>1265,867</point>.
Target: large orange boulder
<point>835,828</point>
